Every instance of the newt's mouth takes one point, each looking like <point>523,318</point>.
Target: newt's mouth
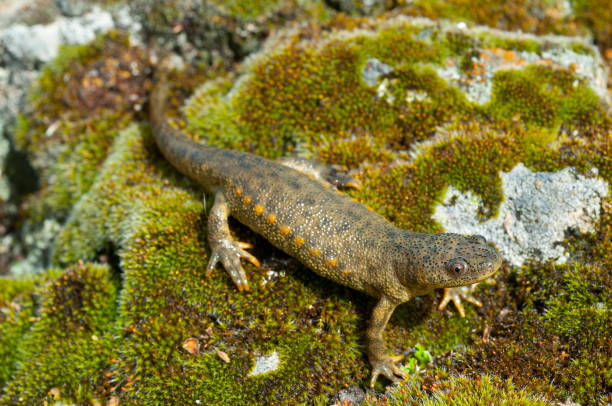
<point>492,266</point>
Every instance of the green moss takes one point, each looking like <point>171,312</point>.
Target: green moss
<point>596,15</point>
<point>458,390</point>
<point>210,101</point>
<point>577,307</point>
<point>52,92</point>
<point>582,304</point>
<point>582,49</point>
<point>299,94</point>
<point>438,103</point>
<point>19,303</point>
<point>600,155</point>
<point>76,165</point>
<point>349,152</point>
<point>419,323</point>
<point>68,349</point>
<point>460,43</point>
<point>545,97</point>
<point>17,310</point>
<point>100,217</point>
<point>400,45</point>
<point>511,15</point>
<point>247,9</point>
<point>489,40</point>
<point>407,194</point>
<point>549,323</point>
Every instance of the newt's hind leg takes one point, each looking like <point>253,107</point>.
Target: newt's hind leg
<point>325,174</point>
<point>223,248</point>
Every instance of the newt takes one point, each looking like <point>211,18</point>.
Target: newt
<point>294,204</point>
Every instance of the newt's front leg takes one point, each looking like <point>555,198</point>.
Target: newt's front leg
<point>223,247</point>
<point>381,362</point>
<point>456,294</point>
<point>325,174</point>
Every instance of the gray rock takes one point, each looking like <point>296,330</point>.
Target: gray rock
<point>32,45</point>
<point>374,69</point>
<point>37,243</point>
<point>12,10</point>
<point>5,190</point>
<point>84,29</point>
<point>265,364</point>
<point>538,209</point>
<point>124,20</point>
<point>13,86</point>
<point>363,7</point>
<point>73,8</point>
<point>38,43</point>
<point>352,395</point>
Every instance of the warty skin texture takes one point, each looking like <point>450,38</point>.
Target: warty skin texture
<point>327,231</point>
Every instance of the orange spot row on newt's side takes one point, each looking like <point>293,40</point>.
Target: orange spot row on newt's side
<point>331,262</point>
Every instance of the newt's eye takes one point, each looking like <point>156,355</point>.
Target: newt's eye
<point>457,266</point>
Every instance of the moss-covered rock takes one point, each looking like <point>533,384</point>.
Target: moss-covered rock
<point>69,347</point>
<point>18,306</point>
<point>72,122</point>
<point>409,131</point>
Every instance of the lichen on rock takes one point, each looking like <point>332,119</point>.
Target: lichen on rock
<point>538,211</point>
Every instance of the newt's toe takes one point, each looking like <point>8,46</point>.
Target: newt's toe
<point>456,294</point>
<point>229,253</point>
<point>387,367</point>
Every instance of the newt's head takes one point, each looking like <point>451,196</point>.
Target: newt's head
<point>448,260</point>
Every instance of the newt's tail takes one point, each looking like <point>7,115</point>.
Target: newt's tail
<point>165,134</point>
<point>159,97</point>
<point>188,156</point>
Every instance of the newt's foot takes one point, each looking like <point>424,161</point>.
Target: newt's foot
<point>388,367</point>
<point>229,252</point>
<point>342,180</point>
<point>456,294</point>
